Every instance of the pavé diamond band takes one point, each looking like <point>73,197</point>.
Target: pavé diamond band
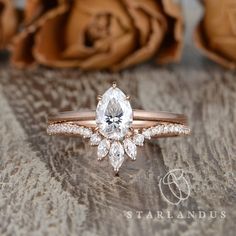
<point>117,129</point>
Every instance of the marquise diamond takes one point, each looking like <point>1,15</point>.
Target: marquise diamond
<point>103,148</point>
<point>130,148</point>
<point>116,155</point>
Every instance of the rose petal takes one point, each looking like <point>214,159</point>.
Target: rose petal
<point>78,51</point>
<point>171,49</point>
<point>75,31</point>
<point>74,34</point>
<point>148,50</point>
<point>215,35</point>
<point>108,33</point>
<point>201,43</point>
<point>221,37</point>
<point>102,57</point>
<point>8,22</point>
<point>22,54</point>
<point>226,45</point>
<point>119,50</point>
<point>23,43</point>
<point>142,12</point>
<point>50,33</point>
<point>142,23</point>
<point>115,8</point>
<point>151,24</point>
<point>34,9</point>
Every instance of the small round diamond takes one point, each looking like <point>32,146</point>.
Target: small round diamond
<point>95,139</point>
<point>154,131</point>
<point>177,128</point>
<point>138,139</point>
<point>147,134</point>
<point>81,130</point>
<point>166,129</point>
<point>172,128</point>
<point>87,133</point>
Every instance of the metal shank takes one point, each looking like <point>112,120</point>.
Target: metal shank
<point>141,118</point>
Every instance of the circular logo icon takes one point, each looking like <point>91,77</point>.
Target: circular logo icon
<point>174,187</point>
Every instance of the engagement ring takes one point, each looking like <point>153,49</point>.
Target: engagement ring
<point>115,128</point>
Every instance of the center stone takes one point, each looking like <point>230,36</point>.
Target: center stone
<point>114,114</point>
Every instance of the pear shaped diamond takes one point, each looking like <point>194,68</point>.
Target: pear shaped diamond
<point>116,155</point>
<point>114,114</point>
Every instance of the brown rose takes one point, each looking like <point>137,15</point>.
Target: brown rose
<point>216,33</point>
<point>8,22</point>
<point>101,34</point>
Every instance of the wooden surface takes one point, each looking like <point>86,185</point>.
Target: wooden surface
<point>55,185</point>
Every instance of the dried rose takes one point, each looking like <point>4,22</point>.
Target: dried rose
<point>8,22</point>
<point>216,33</point>
<point>101,34</point>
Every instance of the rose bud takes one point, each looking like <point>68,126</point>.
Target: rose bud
<point>216,33</point>
<point>8,22</point>
<point>101,34</point>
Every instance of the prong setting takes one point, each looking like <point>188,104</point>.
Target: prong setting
<point>114,85</point>
<point>99,97</point>
<point>116,129</point>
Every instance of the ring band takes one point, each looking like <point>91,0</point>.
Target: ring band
<point>141,120</point>
<point>117,129</point>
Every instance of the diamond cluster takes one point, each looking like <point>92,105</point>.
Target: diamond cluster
<point>70,129</point>
<point>113,137</point>
<point>166,129</point>
<point>117,148</point>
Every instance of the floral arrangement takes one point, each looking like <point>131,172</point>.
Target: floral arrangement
<point>112,34</point>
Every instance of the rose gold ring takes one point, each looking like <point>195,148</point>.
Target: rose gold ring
<point>117,129</point>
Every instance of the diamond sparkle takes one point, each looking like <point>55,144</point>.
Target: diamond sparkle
<point>115,135</point>
<point>116,155</point>
<point>130,148</point>
<point>103,149</point>
<point>114,114</point>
